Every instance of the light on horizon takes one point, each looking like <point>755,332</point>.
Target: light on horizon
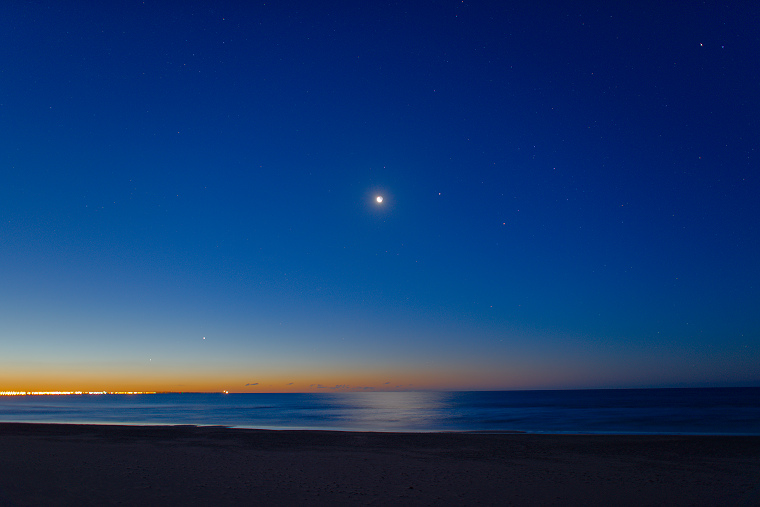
<point>68,393</point>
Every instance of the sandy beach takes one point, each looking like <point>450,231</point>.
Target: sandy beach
<point>52,464</point>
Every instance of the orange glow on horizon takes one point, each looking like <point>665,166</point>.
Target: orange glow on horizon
<point>65,379</point>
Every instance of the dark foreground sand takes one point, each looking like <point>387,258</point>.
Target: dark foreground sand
<point>43,464</point>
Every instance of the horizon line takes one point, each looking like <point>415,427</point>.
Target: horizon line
<point>104,393</point>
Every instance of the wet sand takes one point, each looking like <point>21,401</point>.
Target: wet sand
<point>51,464</point>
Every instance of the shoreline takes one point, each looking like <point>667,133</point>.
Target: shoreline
<point>83,464</point>
<point>609,433</point>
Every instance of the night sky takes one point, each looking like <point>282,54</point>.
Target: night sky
<point>188,199</point>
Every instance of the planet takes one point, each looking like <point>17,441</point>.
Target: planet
<point>379,199</point>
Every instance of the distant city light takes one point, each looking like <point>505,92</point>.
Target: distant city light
<point>68,393</point>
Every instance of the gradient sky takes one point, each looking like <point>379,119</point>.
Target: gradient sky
<point>187,200</point>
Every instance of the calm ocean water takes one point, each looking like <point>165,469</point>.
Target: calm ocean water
<point>695,411</point>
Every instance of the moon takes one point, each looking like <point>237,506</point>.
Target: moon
<point>379,199</point>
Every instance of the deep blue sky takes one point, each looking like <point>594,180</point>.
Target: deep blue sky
<point>571,195</point>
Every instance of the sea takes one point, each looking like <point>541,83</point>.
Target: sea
<point>714,411</point>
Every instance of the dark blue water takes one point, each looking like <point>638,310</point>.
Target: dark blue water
<point>682,411</point>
